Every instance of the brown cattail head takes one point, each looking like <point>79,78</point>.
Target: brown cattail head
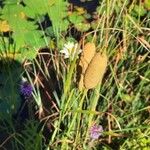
<point>95,71</point>
<point>86,56</point>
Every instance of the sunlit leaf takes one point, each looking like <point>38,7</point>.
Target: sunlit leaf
<point>37,7</point>
<point>4,26</point>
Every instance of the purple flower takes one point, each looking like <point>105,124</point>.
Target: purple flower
<point>96,131</point>
<point>26,89</point>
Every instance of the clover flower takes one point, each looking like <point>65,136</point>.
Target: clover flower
<point>26,89</point>
<point>96,131</point>
<point>70,50</point>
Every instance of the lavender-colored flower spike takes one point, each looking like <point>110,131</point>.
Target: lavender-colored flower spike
<point>26,89</point>
<point>96,131</point>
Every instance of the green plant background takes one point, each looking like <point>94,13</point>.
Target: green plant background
<point>120,104</point>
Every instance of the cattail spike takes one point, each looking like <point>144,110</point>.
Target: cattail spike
<point>95,71</point>
<point>86,56</point>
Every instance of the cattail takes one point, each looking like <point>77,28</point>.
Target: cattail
<point>95,71</point>
<point>86,56</point>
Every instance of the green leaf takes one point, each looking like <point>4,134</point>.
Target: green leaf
<point>29,39</point>
<point>83,27</point>
<point>57,13</point>
<point>139,10</point>
<point>75,18</point>
<point>25,32</point>
<point>65,24</point>
<point>29,54</point>
<point>11,2</point>
<point>147,4</point>
<point>40,7</point>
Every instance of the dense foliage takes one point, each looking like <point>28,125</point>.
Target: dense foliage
<point>74,75</point>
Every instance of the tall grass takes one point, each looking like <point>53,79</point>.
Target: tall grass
<point>120,103</point>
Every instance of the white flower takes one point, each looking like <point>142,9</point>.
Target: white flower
<point>24,79</point>
<point>70,50</point>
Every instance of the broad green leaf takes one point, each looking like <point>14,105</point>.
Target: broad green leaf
<point>57,13</point>
<point>38,7</point>
<point>75,18</point>
<point>16,18</point>
<point>29,39</point>
<point>26,54</point>
<point>24,32</point>
<point>29,54</point>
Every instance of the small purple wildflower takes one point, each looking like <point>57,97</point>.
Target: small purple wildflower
<point>96,131</point>
<point>26,89</point>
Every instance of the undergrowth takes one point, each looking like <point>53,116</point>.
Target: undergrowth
<point>59,115</point>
